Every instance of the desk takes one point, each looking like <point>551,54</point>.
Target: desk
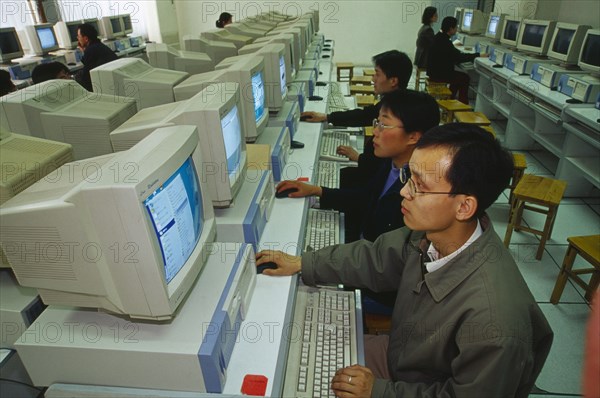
<point>530,115</point>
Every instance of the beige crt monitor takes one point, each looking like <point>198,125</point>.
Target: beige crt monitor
<point>129,238</point>
<point>161,55</point>
<point>25,160</point>
<point>62,110</point>
<point>216,112</point>
<point>224,35</point>
<point>216,50</point>
<point>135,78</point>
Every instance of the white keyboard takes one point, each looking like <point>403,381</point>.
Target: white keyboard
<point>328,174</point>
<point>330,140</point>
<point>323,228</point>
<point>326,337</point>
<point>336,100</point>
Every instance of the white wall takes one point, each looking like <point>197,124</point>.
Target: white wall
<point>360,29</point>
<point>585,12</point>
<point>163,24</point>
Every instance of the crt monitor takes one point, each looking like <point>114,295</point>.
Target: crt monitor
<point>10,46</point>
<point>535,36</point>
<point>67,34</point>
<point>135,78</point>
<point>161,55</point>
<point>216,50</point>
<point>224,35</point>
<point>62,110</point>
<point>39,39</point>
<point>111,27</point>
<point>473,21</point>
<point>126,23</point>
<point>510,31</point>
<point>458,14</point>
<point>140,241</point>
<point>296,47</point>
<point>493,29</point>
<point>216,113</point>
<point>566,42</point>
<point>589,56</point>
<point>96,24</point>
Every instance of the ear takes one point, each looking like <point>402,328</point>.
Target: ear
<point>414,137</point>
<point>466,208</point>
<point>394,81</point>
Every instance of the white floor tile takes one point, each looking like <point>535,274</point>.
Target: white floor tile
<point>541,275</point>
<point>571,220</point>
<point>562,370</point>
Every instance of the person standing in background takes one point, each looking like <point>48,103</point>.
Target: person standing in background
<point>425,36</point>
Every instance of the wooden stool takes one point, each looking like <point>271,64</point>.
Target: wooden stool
<point>449,107</point>
<point>419,78</point>
<point>365,100</point>
<point>477,118</point>
<point>368,72</point>
<point>438,90</point>
<point>362,90</point>
<point>369,131</point>
<point>545,194</point>
<point>366,80</point>
<point>519,166</point>
<point>587,247</point>
<point>349,66</point>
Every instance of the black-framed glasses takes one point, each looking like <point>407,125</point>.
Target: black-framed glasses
<point>379,125</point>
<point>406,179</point>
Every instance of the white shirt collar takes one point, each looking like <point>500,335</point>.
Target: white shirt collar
<point>438,262</point>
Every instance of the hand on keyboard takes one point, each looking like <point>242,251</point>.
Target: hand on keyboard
<point>356,380</point>
<point>302,189</point>
<point>286,263</point>
<point>313,117</point>
<point>348,151</point>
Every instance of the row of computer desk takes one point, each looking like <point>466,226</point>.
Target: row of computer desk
<point>262,348</point>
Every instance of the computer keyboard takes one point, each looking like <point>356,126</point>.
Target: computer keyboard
<point>323,228</point>
<point>328,337</point>
<point>330,140</point>
<point>336,100</point>
<point>328,174</point>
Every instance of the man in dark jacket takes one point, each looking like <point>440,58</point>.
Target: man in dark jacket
<point>94,53</point>
<point>442,58</point>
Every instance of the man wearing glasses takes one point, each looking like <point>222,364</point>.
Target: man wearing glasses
<point>465,323</point>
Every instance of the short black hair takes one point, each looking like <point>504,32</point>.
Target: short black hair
<point>47,71</point>
<point>428,13</point>
<point>6,84</point>
<point>85,29</point>
<point>418,110</point>
<point>223,19</point>
<point>479,167</point>
<point>395,64</point>
<point>449,23</point>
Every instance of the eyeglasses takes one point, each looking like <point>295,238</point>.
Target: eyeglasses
<point>405,178</point>
<point>379,125</point>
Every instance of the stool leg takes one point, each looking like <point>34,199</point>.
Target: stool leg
<point>563,275</point>
<point>511,223</point>
<point>594,282</point>
<point>546,232</point>
<point>520,207</point>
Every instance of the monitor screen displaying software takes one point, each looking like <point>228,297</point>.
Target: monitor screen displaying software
<point>46,37</point>
<point>177,216</point>
<point>258,91</point>
<point>282,76</point>
<point>232,137</point>
<point>493,25</point>
<point>590,52</point>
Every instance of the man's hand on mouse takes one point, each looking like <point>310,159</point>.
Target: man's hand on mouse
<point>313,117</point>
<point>302,188</point>
<point>286,263</point>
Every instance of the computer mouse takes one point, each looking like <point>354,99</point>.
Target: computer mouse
<point>264,266</point>
<point>296,144</point>
<point>325,56</point>
<point>320,84</point>
<point>497,66</point>
<point>573,101</point>
<point>315,98</point>
<point>320,73</point>
<point>285,193</point>
<point>553,88</point>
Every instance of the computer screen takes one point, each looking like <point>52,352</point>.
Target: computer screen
<point>149,235</point>
<point>589,57</point>
<point>258,92</point>
<point>135,78</point>
<point>282,75</point>
<point>467,19</point>
<point>10,47</point>
<point>510,31</point>
<point>126,23</point>
<point>111,27</point>
<point>62,110</point>
<point>47,38</point>
<point>494,26</point>
<point>458,14</point>
<point>535,36</point>
<point>567,41</point>
<point>215,111</point>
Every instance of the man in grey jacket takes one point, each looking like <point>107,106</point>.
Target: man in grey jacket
<point>465,323</point>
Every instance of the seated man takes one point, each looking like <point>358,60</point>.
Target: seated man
<point>49,71</point>
<point>6,84</point>
<point>404,115</point>
<point>465,323</point>
<point>95,53</point>
<point>442,58</point>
